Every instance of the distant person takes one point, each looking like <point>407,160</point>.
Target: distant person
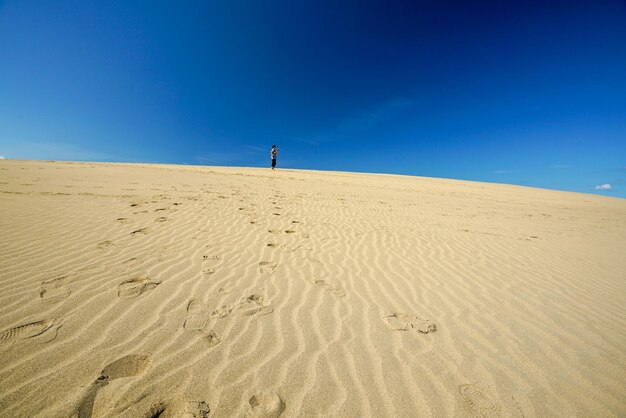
<point>273,153</point>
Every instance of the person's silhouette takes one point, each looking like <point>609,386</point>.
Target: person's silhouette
<point>273,153</point>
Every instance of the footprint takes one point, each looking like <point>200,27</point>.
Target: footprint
<point>212,259</point>
<point>300,249</point>
<point>159,209</point>
<point>128,366</point>
<point>276,214</point>
<point>211,338</point>
<point>225,290</point>
<point>105,244</point>
<point>208,271</point>
<point>122,220</point>
<point>290,231</point>
<point>267,268</point>
<point>160,219</point>
<point>274,245</point>
<point>247,306</point>
<point>253,222</point>
<point>209,263</point>
<point>55,290</point>
<point>407,322</point>
<point>195,409</point>
<point>141,231</point>
<point>198,409</point>
<point>252,305</point>
<point>132,262</point>
<point>46,327</point>
<point>273,231</point>
<point>295,222</point>
<point>334,290</point>
<point>477,402</point>
<point>266,405</point>
<point>135,287</point>
<point>222,312</point>
<point>197,315</point>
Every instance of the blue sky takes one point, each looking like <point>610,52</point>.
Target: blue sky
<point>530,93</point>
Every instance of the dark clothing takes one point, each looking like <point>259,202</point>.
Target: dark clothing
<point>273,154</point>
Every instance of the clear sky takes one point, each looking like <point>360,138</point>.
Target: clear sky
<point>530,93</point>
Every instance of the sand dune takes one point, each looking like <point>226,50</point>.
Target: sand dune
<point>151,290</point>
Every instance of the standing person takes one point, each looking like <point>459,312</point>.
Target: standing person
<point>273,153</point>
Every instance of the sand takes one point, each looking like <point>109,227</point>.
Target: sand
<point>158,290</point>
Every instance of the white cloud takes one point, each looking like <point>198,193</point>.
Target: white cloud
<point>603,187</point>
<point>2,157</point>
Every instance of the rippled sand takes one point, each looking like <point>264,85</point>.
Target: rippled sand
<point>152,290</point>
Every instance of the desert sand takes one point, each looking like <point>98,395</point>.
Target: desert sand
<point>138,290</point>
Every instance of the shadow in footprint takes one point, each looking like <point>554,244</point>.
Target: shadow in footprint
<point>129,366</point>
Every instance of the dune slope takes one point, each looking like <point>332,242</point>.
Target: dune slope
<point>151,290</point>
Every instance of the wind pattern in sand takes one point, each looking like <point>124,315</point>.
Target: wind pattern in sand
<point>148,290</point>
